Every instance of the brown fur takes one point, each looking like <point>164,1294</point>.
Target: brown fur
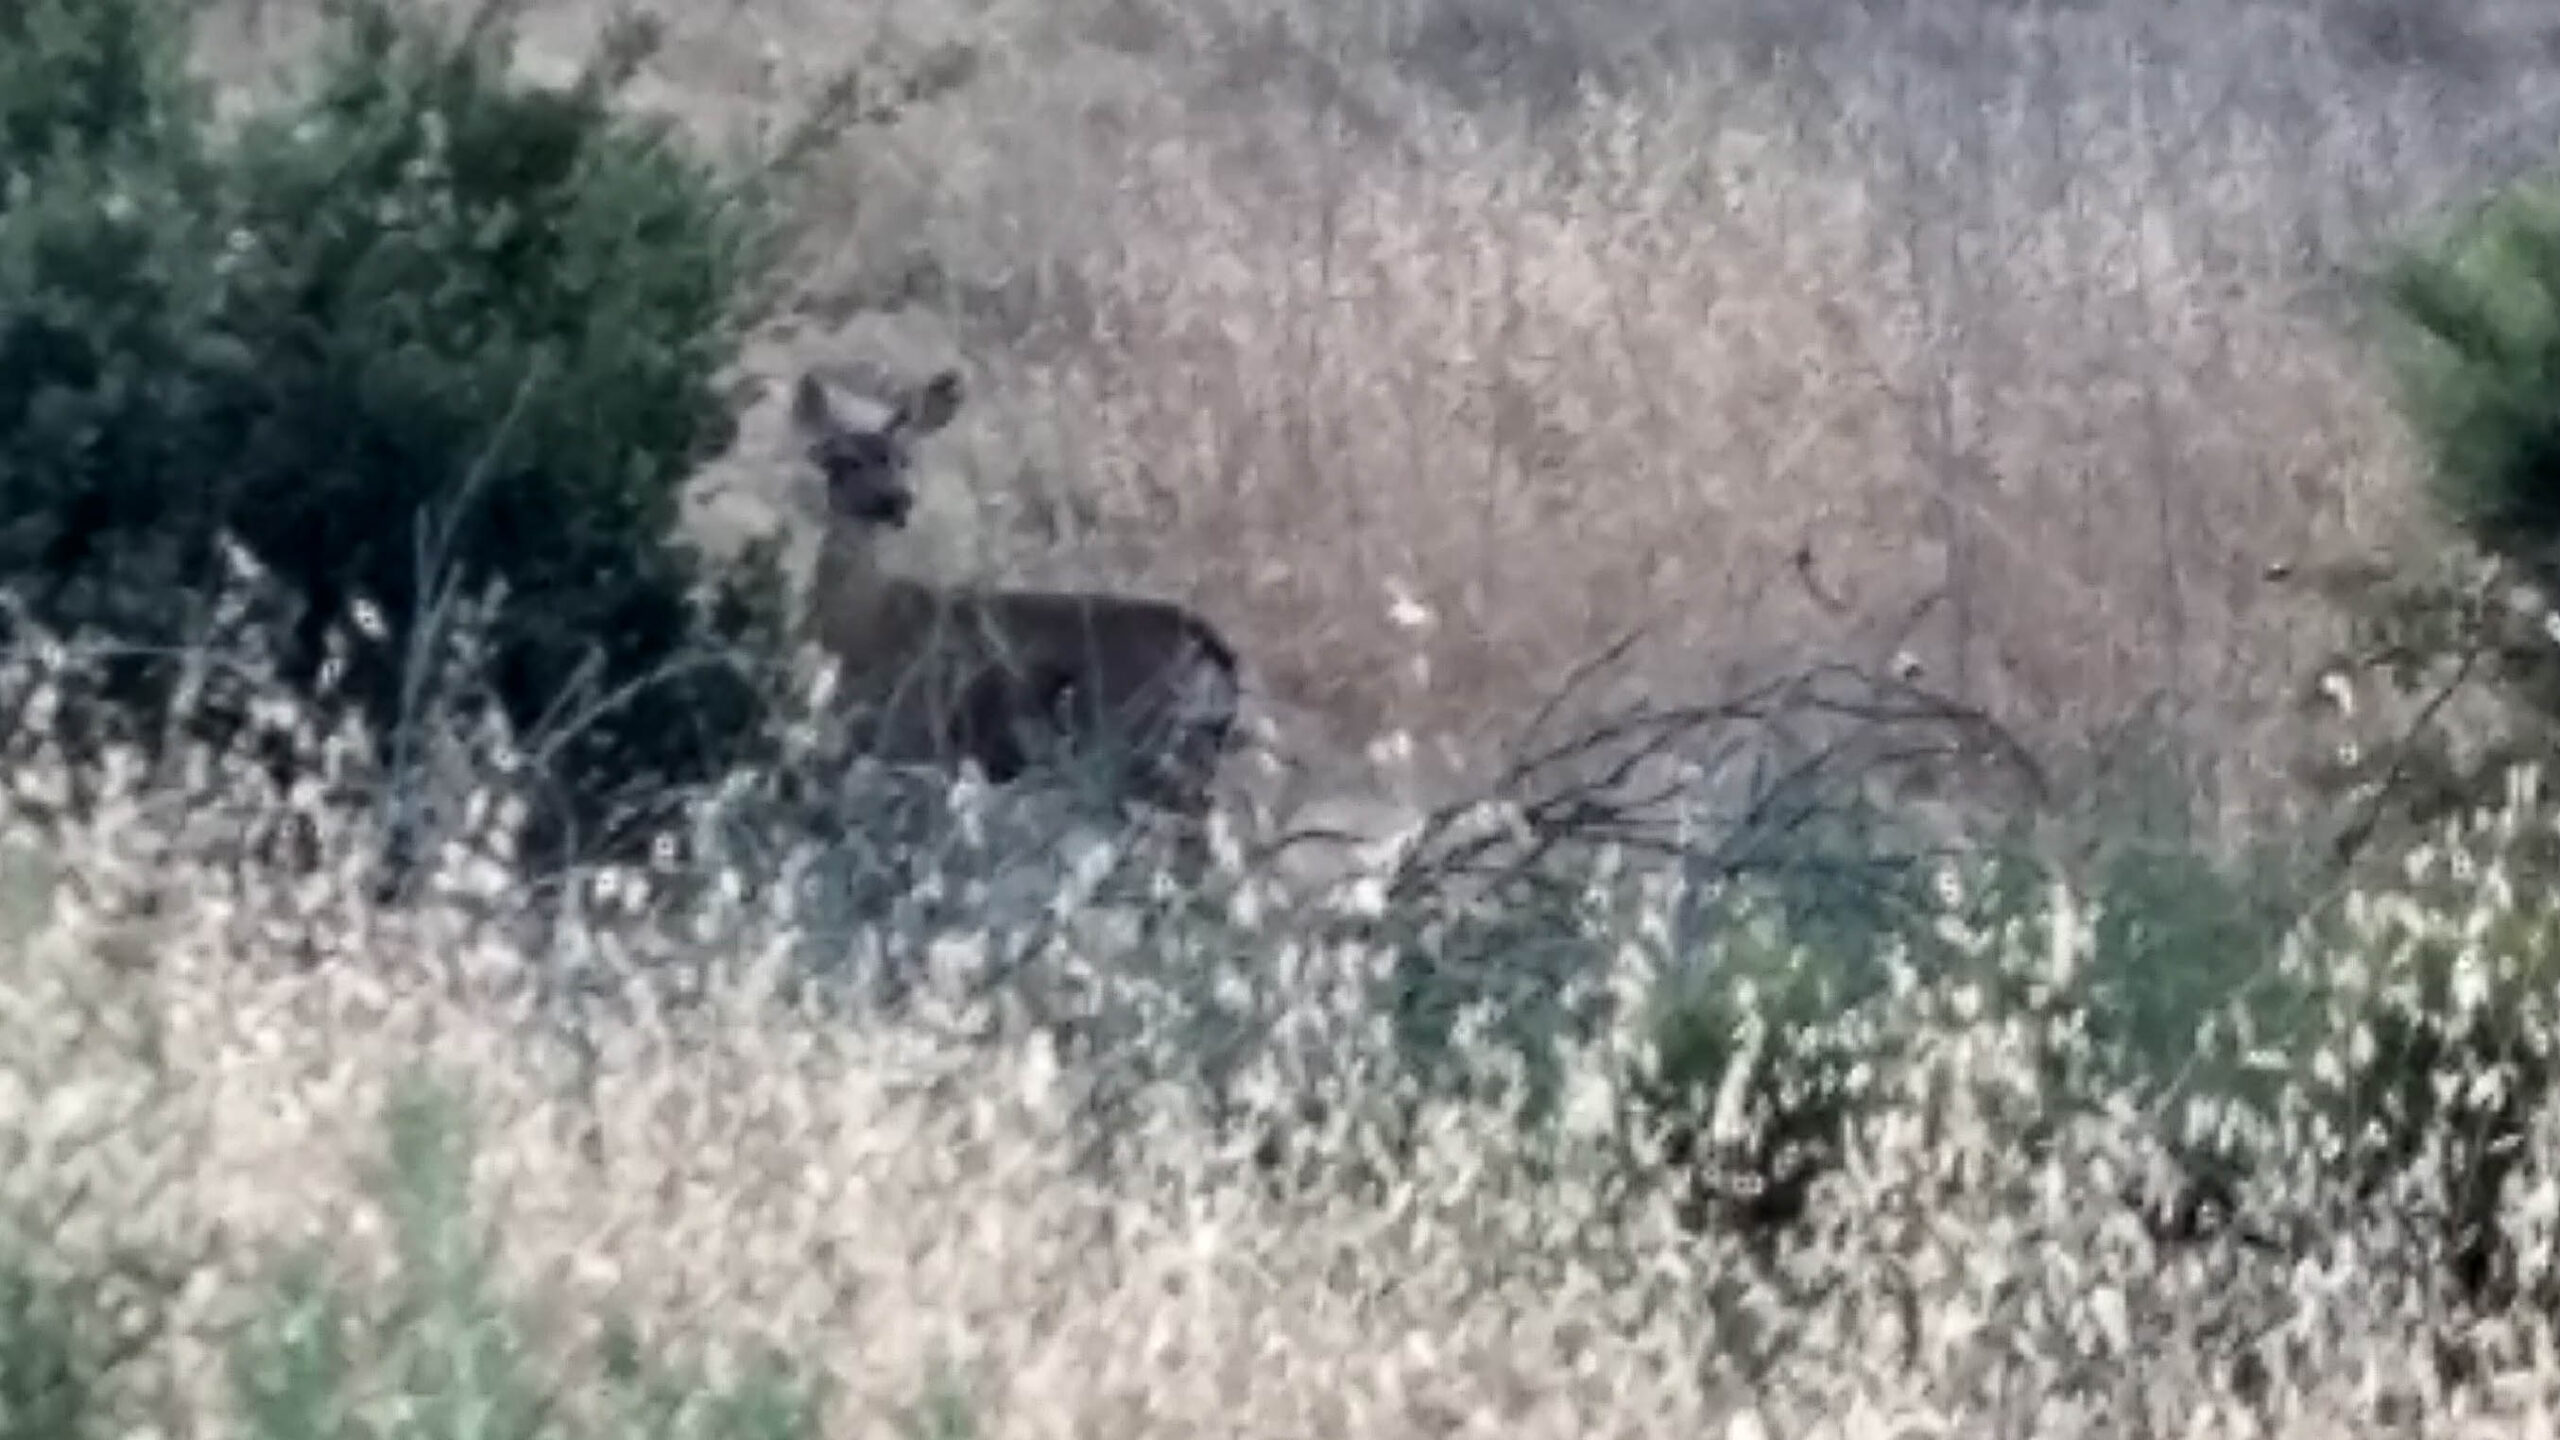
<point>1008,679</point>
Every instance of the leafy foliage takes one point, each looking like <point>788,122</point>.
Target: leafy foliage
<point>426,329</point>
<point>89,78</point>
<point>2479,361</point>
<point>2472,335</point>
<point>1760,1054</point>
<point>50,1371</point>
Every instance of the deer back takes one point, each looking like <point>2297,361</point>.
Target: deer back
<point>1116,671</point>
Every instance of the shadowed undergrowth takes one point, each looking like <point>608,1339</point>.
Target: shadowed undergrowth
<point>1712,1063</point>
<point>1185,1157</point>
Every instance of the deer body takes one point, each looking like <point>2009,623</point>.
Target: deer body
<point>1006,678</point>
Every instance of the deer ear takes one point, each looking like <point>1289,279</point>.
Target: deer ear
<point>934,402</point>
<point>809,408</point>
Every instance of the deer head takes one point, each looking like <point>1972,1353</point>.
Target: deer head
<point>863,444</point>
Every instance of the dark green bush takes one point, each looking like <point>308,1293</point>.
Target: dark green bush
<point>1772,999</point>
<point>51,1372</point>
<point>424,328</point>
<point>2184,932</point>
<point>2477,352</point>
<point>109,288</point>
<point>1770,1011</point>
<point>2471,331</point>
<point>1502,982</point>
<point>91,77</point>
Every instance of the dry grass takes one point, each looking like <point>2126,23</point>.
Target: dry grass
<point>911,1206</point>
<point>2026,320</point>
<point>1288,310</point>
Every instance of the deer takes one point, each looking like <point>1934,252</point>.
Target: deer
<point>1145,690</point>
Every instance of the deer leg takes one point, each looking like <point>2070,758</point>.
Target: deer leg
<point>989,721</point>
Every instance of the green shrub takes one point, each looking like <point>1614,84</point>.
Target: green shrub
<point>51,1372</point>
<point>92,77</point>
<point>109,288</point>
<point>2178,940</point>
<point>1483,992</point>
<point>2477,353</point>
<point>1758,1056</point>
<point>424,328</point>
<point>1771,1007</point>
<point>2471,331</point>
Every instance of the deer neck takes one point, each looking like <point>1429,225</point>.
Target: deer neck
<point>858,609</point>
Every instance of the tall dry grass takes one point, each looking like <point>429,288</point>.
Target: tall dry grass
<point>1050,1207</point>
<point>1429,344</point>
<point>1306,313</point>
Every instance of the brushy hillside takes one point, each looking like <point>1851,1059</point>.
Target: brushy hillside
<point>1432,347</point>
<point>285,1162</point>
<point>2036,326</point>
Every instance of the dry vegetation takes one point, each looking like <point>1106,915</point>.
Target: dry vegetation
<point>991,1213</point>
<point>2036,324</point>
<point>2033,325</point>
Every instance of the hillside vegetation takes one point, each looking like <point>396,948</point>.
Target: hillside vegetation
<point>1935,622</point>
